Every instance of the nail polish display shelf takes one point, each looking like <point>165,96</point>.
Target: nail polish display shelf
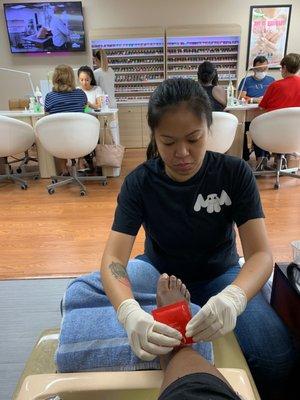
<point>139,65</point>
<point>185,53</point>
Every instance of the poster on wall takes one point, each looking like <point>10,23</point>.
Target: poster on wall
<point>268,33</point>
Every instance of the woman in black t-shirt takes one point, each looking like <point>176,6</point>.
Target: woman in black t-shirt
<point>188,200</point>
<point>208,79</point>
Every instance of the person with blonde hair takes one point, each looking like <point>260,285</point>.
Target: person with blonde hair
<point>105,76</point>
<point>65,97</point>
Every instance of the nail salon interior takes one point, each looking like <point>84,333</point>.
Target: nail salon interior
<point>149,200</point>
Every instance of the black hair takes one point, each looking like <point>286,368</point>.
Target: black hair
<point>207,73</point>
<point>259,59</point>
<point>170,94</point>
<point>88,71</point>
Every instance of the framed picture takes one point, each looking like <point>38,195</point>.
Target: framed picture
<point>268,33</point>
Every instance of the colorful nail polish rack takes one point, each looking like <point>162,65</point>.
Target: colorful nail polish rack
<point>139,65</point>
<point>185,53</point>
<point>144,57</point>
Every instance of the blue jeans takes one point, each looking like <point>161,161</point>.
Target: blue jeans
<point>262,336</point>
<point>257,150</point>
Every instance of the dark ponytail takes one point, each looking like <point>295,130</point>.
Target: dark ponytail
<point>207,74</point>
<point>168,95</point>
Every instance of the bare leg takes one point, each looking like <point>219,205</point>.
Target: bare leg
<point>82,164</point>
<point>185,360</point>
<point>60,165</point>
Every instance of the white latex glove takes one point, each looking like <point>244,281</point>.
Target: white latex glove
<point>218,316</point>
<point>147,337</point>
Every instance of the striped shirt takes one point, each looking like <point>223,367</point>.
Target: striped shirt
<point>57,102</point>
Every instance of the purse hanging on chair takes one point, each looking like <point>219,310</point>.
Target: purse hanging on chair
<point>109,155</point>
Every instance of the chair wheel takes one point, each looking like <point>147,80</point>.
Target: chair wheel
<point>24,186</point>
<point>104,183</point>
<point>276,186</point>
<point>82,192</point>
<point>19,170</point>
<point>54,181</point>
<point>51,191</point>
<point>36,177</point>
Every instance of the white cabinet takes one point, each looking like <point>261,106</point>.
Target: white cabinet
<point>130,123</point>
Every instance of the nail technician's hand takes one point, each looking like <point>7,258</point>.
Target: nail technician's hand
<point>147,337</point>
<point>218,316</point>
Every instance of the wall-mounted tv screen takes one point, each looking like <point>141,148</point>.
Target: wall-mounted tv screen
<point>45,27</point>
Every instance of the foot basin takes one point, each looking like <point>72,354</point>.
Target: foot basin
<point>139,385</point>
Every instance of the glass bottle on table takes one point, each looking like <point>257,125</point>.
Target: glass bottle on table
<point>38,106</point>
<point>230,94</point>
<point>31,106</point>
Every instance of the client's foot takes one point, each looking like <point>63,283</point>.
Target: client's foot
<point>170,290</point>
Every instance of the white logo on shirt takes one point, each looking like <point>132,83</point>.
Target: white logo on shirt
<point>212,202</point>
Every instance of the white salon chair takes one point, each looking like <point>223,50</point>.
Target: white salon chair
<point>20,105</point>
<point>15,137</point>
<point>278,132</point>
<point>69,136</point>
<point>222,132</point>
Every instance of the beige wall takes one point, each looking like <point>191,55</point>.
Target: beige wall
<point>132,13</point>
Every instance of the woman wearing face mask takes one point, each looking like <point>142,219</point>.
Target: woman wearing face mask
<point>188,201</point>
<point>253,88</point>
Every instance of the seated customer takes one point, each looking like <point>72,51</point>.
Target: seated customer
<point>285,92</point>
<point>64,98</point>
<point>93,92</point>
<point>187,375</point>
<point>89,86</point>
<point>253,88</point>
<point>208,79</point>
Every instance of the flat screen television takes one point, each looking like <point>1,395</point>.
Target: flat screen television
<point>45,27</point>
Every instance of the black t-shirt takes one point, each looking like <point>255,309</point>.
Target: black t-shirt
<point>189,225</point>
<point>215,104</point>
